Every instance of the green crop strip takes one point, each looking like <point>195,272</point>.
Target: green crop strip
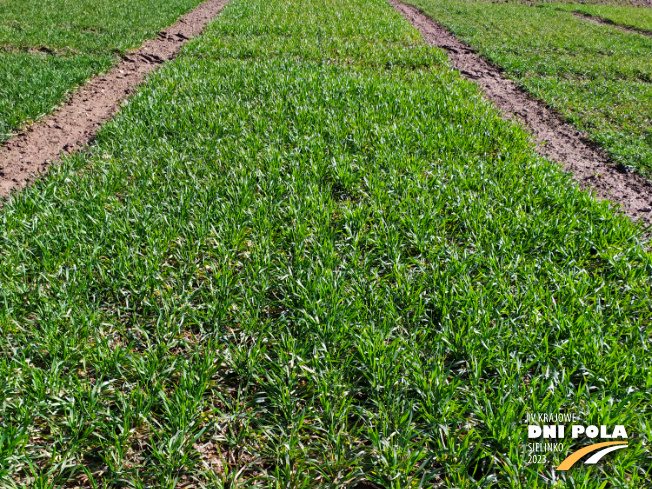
<point>635,17</point>
<point>32,84</point>
<point>306,254</point>
<point>597,76</point>
<point>84,36</point>
<point>86,26</point>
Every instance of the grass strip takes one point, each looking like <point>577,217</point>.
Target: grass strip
<point>31,85</point>
<point>308,253</point>
<point>49,47</point>
<point>597,76</point>
<point>86,26</point>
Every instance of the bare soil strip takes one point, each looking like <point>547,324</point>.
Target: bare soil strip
<point>555,138</point>
<point>28,154</point>
<point>601,21</point>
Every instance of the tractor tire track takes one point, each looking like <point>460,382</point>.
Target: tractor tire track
<point>27,155</point>
<point>555,138</point>
<point>607,22</point>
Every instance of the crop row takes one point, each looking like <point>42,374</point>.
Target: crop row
<point>597,76</point>
<point>308,254</point>
<point>50,47</point>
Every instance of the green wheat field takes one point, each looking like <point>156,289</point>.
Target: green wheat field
<point>308,253</point>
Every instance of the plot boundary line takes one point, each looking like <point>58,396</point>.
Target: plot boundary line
<point>554,137</point>
<point>27,155</point>
<point>609,23</point>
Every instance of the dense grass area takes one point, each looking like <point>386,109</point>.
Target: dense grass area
<point>597,76</point>
<point>31,84</point>
<point>86,26</point>
<point>48,47</point>
<point>533,3</point>
<point>636,17</point>
<point>307,254</point>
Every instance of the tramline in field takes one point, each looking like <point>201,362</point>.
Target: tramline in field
<point>307,253</point>
<point>50,47</point>
<point>597,76</point>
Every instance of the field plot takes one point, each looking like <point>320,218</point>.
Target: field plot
<point>31,84</point>
<point>597,76</point>
<point>634,17</point>
<point>49,47</point>
<point>308,254</point>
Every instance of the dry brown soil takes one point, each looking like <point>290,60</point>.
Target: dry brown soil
<point>29,154</point>
<point>555,138</point>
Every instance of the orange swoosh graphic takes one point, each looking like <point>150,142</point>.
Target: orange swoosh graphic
<point>574,457</point>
